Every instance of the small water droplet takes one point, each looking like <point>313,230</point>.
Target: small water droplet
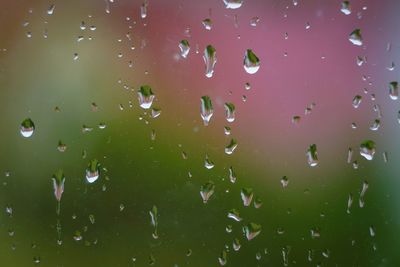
<point>154,221</point>
<point>222,259</point>
<point>355,37</point>
<point>254,21</point>
<point>230,148</point>
<point>393,90</point>
<point>234,214</point>
<point>184,47</point>
<point>207,23</point>
<point>284,181</point>
<point>230,112</point>
<point>312,156</point>
<point>50,10</point>
<point>357,101</point>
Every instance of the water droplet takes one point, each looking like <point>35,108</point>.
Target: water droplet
<point>145,96</point>
<point>93,171</point>
<point>206,109</point>
<point>207,23</point>
<point>234,214</point>
<point>393,90</point>
<point>247,196</point>
<point>251,230</point>
<point>210,59</point>
<point>372,231</point>
<point>284,181</point>
<point>251,63</point>
<point>312,157</point>
<point>247,86</point>
<point>143,10</point>
<point>227,129</point>
<point>254,21</point>
<point>308,26</point>
<point>349,154</point>
<point>364,189</point>
<point>50,10</point>
<point>206,191</point>
<point>154,220</point>
<point>296,119</point>
<point>257,202</point>
<point>375,125</point>
<point>285,255</point>
<point>367,149</point>
<point>75,57</point>
<point>230,112</point>
<point>230,148</point>
<point>349,203</point>
<point>27,127</point>
<point>355,37</point>
<point>208,163</point>
<point>61,146</point>
<point>233,4</point>
<point>222,259</point>
<point>232,175</point>
<point>236,244</point>
<point>385,157</point>
<point>184,47</point>
<point>77,236</point>
<point>346,8</point>
<point>92,219</point>
<point>58,184</point>
<point>357,101</point>
<point>315,232</point>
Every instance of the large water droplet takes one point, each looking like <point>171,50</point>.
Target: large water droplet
<point>210,59</point>
<point>355,37</point>
<point>251,63</point>
<point>27,127</point>
<point>206,109</point>
<point>233,4</point>
<point>93,171</point>
<point>206,191</point>
<point>367,149</point>
<point>145,96</point>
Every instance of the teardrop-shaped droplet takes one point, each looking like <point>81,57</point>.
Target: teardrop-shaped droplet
<point>346,8</point>
<point>210,59</point>
<point>206,109</point>
<point>367,149</point>
<point>236,244</point>
<point>155,112</point>
<point>58,184</point>
<point>206,191</point>
<point>208,163</point>
<point>247,196</point>
<point>232,175</point>
<point>27,127</point>
<point>230,112</point>
<point>145,96</point>
<point>254,21</point>
<point>394,90</point>
<point>355,37</point>
<point>251,63</point>
<point>312,157</point>
<point>93,171</point>
<point>257,202</point>
<point>364,189</point>
<point>233,4</point>
<point>230,148</point>
<point>251,230</point>
<point>143,10</point>
<point>349,203</point>
<point>184,47</point>
<point>284,181</point>
<point>61,146</point>
<point>357,101</point>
